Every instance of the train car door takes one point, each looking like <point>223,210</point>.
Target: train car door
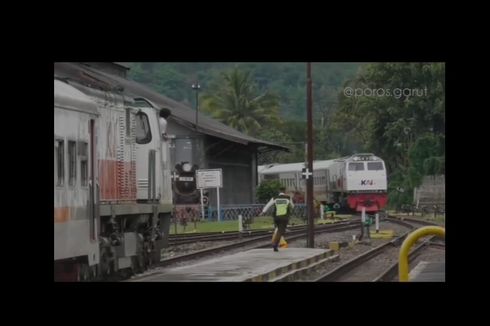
<point>146,153</point>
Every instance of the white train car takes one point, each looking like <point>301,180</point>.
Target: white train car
<point>289,175</point>
<point>355,182</point>
<point>75,226</point>
<point>113,195</point>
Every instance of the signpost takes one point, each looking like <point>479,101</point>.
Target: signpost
<point>209,178</point>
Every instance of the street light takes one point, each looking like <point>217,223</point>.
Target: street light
<point>196,87</point>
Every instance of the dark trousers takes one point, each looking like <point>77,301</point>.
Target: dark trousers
<point>281,223</point>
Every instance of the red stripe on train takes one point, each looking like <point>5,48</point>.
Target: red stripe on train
<point>117,180</point>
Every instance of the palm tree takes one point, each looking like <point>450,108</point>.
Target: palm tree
<point>236,103</point>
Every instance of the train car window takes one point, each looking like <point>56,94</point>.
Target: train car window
<point>375,166</point>
<point>82,152</point>
<point>60,161</point>
<point>356,166</point>
<point>143,132</point>
<point>271,176</point>
<point>72,163</point>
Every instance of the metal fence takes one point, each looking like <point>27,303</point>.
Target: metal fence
<point>426,209</point>
<point>188,213</point>
<point>431,194</point>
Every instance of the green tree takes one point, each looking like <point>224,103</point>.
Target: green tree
<point>174,79</point>
<point>238,104</point>
<point>401,119</point>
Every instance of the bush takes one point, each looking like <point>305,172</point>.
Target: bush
<point>267,189</point>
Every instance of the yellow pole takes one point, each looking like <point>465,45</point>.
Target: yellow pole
<point>409,242</point>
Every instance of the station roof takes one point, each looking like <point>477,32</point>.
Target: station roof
<point>181,113</point>
<point>292,167</point>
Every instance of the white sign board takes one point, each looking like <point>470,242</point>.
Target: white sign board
<point>210,178</point>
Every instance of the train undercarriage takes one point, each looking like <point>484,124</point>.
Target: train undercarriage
<point>128,244</point>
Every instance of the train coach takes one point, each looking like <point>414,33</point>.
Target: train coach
<point>353,183</point>
<point>112,186</point>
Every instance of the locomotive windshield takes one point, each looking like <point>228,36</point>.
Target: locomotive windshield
<point>143,133</point>
<point>356,166</point>
<point>375,166</point>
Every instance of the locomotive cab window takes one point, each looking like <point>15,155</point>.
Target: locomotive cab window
<point>143,132</point>
<point>356,166</point>
<point>271,177</point>
<point>375,166</point>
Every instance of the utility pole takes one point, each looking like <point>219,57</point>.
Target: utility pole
<point>196,87</point>
<point>310,242</point>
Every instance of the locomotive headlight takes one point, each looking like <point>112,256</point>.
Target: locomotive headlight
<point>186,167</point>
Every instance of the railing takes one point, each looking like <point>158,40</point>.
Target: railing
<point>424,208</point>
<point>188,213</point>
<point>409,242</point>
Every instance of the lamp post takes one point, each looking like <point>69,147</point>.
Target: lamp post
<point>196,87</point>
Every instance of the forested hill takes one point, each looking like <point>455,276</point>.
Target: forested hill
<point>287,80</point>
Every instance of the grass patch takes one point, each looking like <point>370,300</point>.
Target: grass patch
<point>335,219</point>
<point>259,223</point>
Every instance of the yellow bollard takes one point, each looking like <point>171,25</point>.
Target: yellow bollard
<point>409,242</point>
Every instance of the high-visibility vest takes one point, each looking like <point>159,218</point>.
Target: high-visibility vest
<point>282,206</point>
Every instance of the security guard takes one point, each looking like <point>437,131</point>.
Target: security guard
<point>283,206</point>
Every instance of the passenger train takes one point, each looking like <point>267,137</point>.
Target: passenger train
<point>355,182</point>
<point>112,185</point>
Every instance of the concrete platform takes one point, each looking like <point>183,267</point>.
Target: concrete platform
<point>428,272</point>
<point>257,265</point>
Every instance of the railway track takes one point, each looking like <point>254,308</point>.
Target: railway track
<point>262,238</point>
<point>389,273</point>
<point>232,235</point>
<point>258,241</point>
<point>218,236</point>
<point>410,220</point>
<point>379,264</point>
